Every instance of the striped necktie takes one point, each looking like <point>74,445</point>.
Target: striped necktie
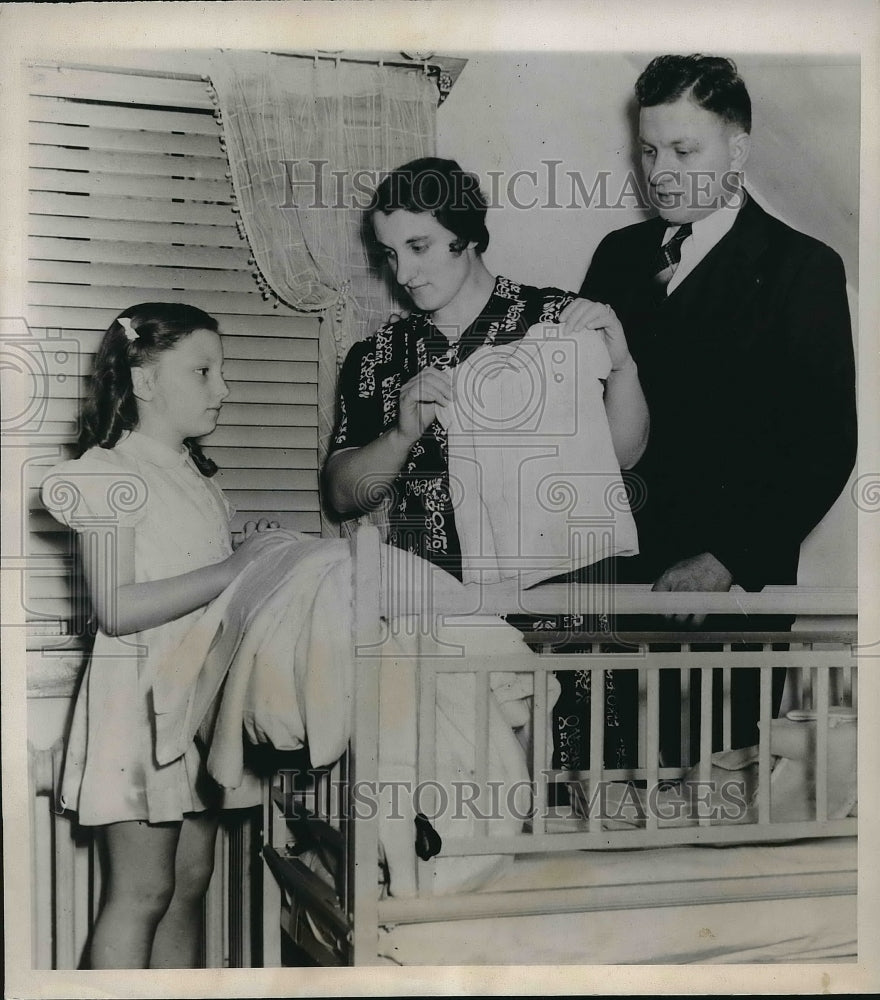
<point>669,256</point>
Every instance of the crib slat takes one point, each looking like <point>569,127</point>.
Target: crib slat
<point>653,742</point>
<point>597,744</point>
<point>764,715</point>
<point>41,875</point>
<point>727,741</point>
<point>96,884</point>
<point>363,837</point>
<point>644,716</point>
<point>249,833</point>
<point>65,893</point>
<point>213,909</point>
<point>271,922</point>
<point>327,804</point>
<point>68,900</point>
<point>540,763</point>
<point>822,746</point>
<point>705,770</point>
<point>426,686</point>
<point>684,680</point>
<point>345,774</point>
<point>82,918</point>
<point>224,931</point>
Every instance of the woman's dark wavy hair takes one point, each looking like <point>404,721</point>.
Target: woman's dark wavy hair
<point>110,406</point>
<point>712,81</point>
<point>443,189</point>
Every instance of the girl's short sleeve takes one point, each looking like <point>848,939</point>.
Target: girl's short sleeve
<point>94,491</point>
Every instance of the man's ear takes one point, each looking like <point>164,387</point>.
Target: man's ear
<point>740,145</point>
<point>142,382</point>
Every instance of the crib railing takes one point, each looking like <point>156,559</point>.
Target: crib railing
<point>819,659</point>
<point>825,676</point>
<point>339,921</point>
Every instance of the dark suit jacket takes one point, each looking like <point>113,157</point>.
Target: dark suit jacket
<point>748,371</point>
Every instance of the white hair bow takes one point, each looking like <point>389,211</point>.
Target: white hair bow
<point>127,328</point>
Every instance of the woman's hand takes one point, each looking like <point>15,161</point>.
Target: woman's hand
<point>625,403</point>
<point>419,399</point>
<point>583,314</point>
<point>250,528</point>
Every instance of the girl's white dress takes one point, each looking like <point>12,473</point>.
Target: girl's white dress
<point>181,523</point>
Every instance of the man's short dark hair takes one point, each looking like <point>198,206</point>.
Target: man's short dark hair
<point>443,189</point>
<point>711,81</point>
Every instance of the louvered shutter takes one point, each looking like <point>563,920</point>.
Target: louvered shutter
<point>130,201</point>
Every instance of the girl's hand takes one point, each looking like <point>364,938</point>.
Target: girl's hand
<point>250,548</point>
<point>250,527</point>
<point>583,314</point>
<point>419,399</point>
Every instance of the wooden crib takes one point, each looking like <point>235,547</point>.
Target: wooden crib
<point>722,884</point>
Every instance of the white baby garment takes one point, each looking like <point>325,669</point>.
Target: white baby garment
<point>534,479</point>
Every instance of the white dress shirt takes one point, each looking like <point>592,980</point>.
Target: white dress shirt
<point>705,234</point>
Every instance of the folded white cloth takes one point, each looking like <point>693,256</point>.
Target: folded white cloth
<point>534,478</point>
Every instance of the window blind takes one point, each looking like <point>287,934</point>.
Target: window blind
<point>130,200</point>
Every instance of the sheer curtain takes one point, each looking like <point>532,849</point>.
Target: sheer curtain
<point>306,141</point>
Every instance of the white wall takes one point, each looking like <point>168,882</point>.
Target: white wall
<point>510,112</point>
<point>515,111</point>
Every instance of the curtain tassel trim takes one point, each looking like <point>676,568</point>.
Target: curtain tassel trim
<point>266,292</point>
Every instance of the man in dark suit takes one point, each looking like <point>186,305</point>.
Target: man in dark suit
<point>740,329</point>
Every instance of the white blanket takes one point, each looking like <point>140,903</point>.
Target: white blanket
<point>273,657</point>
<point>534,478</point>
<point>275,648</point>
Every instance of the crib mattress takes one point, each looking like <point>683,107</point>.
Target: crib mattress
<point>653,907</point>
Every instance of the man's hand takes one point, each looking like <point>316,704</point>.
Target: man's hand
<point>698,573</point>
<point>582,314</point>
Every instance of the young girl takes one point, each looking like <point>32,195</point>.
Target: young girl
<point>156,548</point>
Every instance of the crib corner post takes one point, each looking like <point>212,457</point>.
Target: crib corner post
<point>272,897</point>
<point>363,763</point>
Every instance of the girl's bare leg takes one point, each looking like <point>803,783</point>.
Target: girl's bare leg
<point>178,937</point>
<point>140,885</point>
